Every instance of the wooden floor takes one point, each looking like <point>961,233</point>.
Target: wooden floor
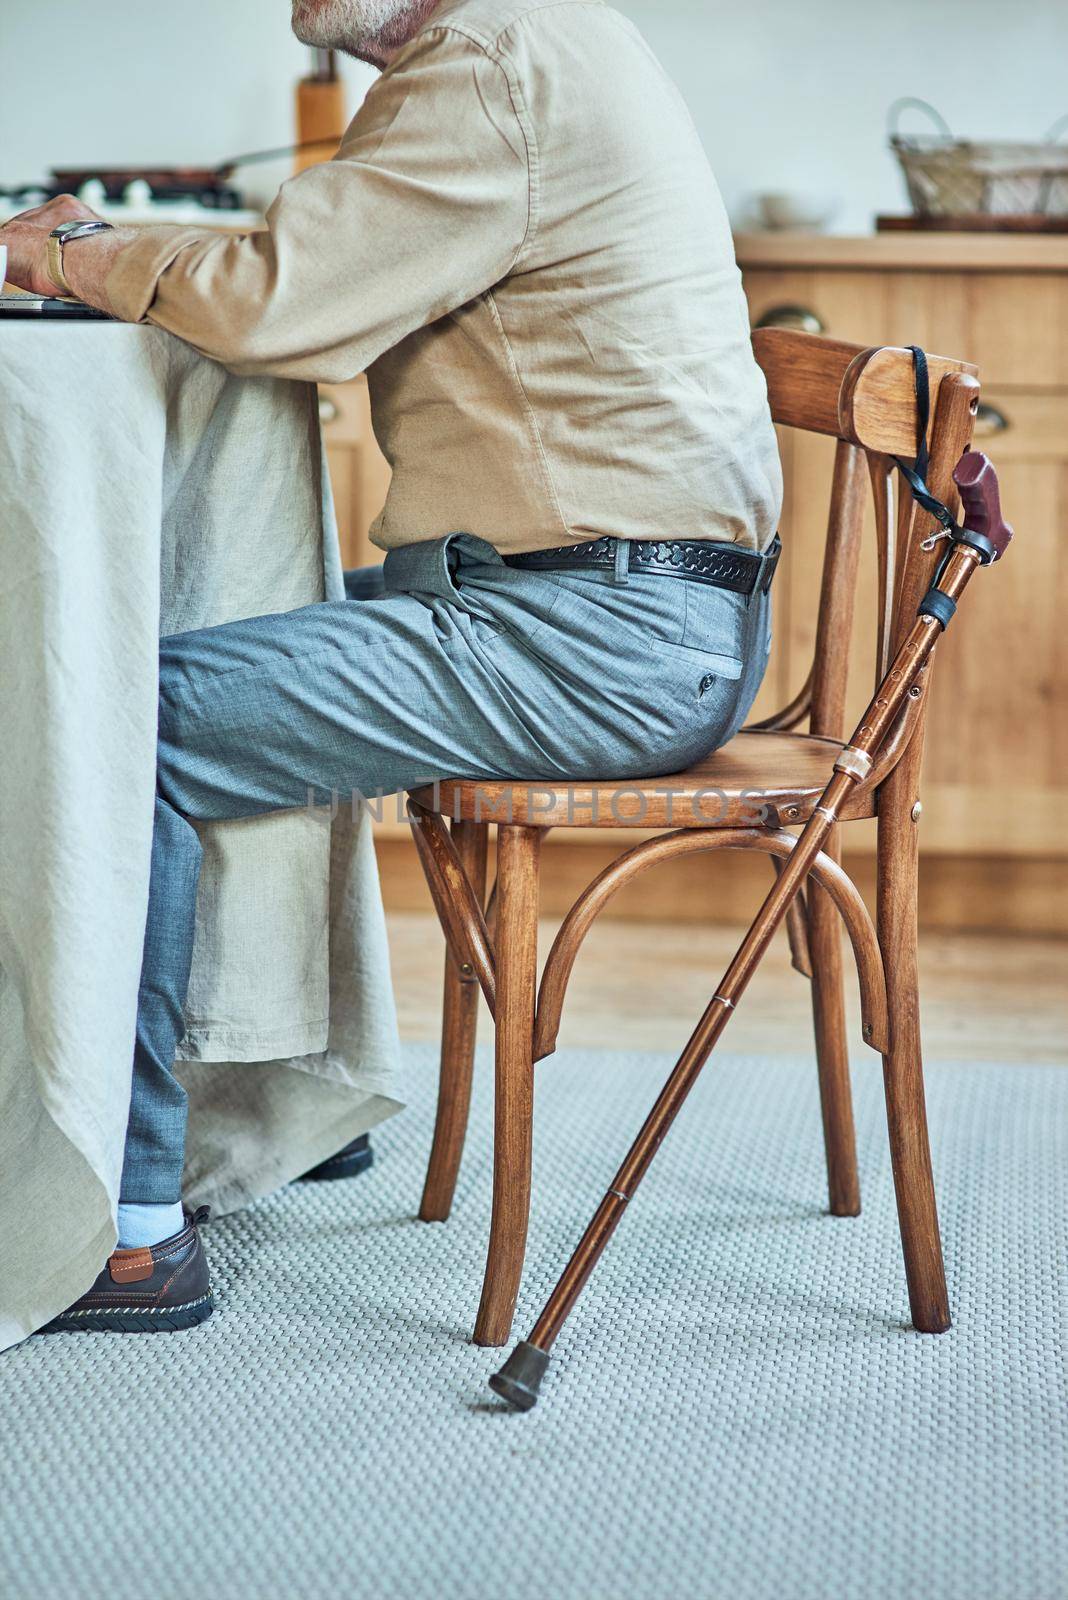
<point>642,985</point>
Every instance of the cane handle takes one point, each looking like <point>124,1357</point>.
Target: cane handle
<point>980,495</point>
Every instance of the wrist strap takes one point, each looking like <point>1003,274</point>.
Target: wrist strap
<point>55,267</point>
<point>916,475</point>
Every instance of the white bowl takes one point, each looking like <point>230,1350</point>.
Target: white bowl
<point>797,208</point>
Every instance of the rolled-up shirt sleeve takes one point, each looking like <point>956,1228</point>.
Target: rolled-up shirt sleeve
<point>428,203</point>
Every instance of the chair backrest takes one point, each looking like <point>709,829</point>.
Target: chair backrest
<point>866,399</point>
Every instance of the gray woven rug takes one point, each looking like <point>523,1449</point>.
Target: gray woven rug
<point>738,1408</point>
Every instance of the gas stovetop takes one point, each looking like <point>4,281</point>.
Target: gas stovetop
<point>139,194</point>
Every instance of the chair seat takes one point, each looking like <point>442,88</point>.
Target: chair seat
<point>757,780</point>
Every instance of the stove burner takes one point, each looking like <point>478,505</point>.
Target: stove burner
<point>200,184</point>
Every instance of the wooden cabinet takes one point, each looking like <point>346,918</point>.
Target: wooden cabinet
<point>996,769</point>
<point>358,470</point>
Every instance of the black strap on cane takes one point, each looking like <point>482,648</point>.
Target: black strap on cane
<point>916,478</point>
<point>934,603</point>
<point>916,475</point>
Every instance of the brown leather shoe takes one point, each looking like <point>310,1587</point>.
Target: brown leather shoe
<point>154,1290</point>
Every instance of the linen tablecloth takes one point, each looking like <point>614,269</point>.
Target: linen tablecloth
<point>144,490</point>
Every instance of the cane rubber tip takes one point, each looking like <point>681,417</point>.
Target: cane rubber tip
<point>520,1378</point>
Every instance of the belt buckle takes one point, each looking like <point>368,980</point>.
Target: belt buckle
<point>770,561</point>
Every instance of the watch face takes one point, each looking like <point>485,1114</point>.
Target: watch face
<point>66,230</point>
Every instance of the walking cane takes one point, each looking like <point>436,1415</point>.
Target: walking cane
<point>981,541</point>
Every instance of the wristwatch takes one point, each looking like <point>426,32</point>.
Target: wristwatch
<point>61,236</point>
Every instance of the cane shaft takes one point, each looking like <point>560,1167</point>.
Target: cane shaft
<point>853,765</point>
<point>685,1072</point>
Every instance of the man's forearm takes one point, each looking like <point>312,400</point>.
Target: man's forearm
<point>87,264</point>
<point>118,271</point>
<point>225,294</point>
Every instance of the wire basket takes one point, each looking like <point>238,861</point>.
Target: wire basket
<point>948,177</point>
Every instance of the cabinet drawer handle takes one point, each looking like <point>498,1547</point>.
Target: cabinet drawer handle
<point>988,421</point>
<point>800,318</point>
<point>328,410</point>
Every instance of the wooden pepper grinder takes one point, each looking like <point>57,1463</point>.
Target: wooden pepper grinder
<point>320,110</point>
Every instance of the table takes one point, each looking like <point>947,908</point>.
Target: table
<point>143,489</point>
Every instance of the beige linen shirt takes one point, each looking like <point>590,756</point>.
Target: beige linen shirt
<point>522,244</point>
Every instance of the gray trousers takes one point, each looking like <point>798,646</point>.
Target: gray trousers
<point>443,663</point>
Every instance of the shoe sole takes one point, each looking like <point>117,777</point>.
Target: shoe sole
<point>128,1319</point>
<point>340,1167</point>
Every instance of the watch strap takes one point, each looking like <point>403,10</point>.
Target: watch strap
<point>55,265</point>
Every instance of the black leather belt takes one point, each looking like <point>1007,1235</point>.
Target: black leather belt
<point>723,566</point>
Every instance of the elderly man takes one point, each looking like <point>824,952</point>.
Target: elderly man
<point>520,242</point>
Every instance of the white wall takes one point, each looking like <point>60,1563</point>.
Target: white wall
<point>794,93</point>
<point>786,93</point>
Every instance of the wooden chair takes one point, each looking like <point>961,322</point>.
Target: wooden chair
<point>864,398</point>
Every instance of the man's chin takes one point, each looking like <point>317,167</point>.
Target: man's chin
<point>314,22</point>
<point>370,30</point>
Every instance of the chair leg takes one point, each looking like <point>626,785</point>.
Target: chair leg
<point>832,1052</point>
<point>458,1026</point>
<point>517,953</point>
<point>906,1111</point>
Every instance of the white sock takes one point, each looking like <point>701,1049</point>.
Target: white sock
<point>141,1225</point>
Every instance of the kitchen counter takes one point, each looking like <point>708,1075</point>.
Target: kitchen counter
<point>928,252</point>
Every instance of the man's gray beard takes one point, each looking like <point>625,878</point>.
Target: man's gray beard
<point>370,30</point>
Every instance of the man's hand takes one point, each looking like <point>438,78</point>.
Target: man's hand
<point>26,237</point>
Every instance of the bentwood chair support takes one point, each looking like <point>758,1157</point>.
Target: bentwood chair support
<point>873,402</point>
